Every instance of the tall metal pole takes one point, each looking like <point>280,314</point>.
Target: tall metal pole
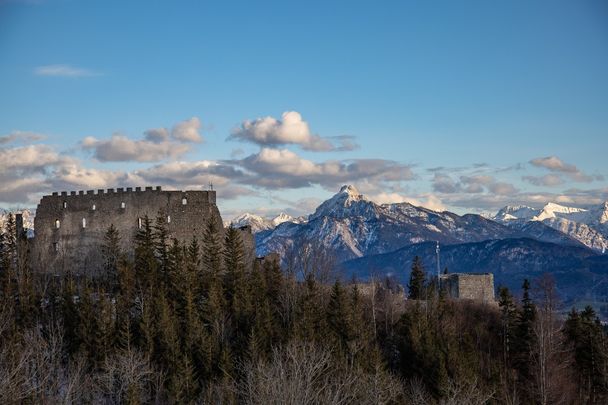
<point>438,267</point>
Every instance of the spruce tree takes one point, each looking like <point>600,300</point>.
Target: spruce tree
<point>525,337</point>
<point>508,316</point>
<point>416,285</point>
<point>112,254</point>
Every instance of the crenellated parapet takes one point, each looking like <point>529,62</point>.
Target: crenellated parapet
<point>72,224</point>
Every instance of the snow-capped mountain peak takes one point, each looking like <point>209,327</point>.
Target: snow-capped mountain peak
<point>347,202</point>
<point>515,212</point>
<point>282,217</point>
<point>552,210</point>
<point>587,225</point>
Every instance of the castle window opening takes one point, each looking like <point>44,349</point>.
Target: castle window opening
<point>139,223</point>
<point>65,204</point>
<point>56,246</point>
<point>184,201</point>
<point>94,207</point>
<point>123,205</point>
<point>57,224</point>
<point>168,219</point>
<point>84,222</point>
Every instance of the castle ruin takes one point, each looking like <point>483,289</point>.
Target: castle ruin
<point>70,227</point>
<point>470,286</point>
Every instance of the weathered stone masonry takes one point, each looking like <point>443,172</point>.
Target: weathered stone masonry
<point>70,227</point>
<point>472,286</point>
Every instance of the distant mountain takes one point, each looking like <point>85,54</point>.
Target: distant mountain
<point>352,226</point>
<point>259,223</point>
<point>28,218</point>
<point>587,225</point>
<point>576,269</point>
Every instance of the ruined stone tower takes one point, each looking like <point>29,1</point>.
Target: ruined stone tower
<point>470,286</point>
<point>70,227</point>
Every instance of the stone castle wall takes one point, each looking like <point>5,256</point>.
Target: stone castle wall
<point>69,227</point>
<point>479,287</point>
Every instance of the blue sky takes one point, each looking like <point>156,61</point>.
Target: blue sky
<point>465,106</point>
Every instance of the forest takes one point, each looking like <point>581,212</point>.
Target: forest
<point>168,322</point>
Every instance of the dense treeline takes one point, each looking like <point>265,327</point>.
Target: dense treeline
<point>196,323</point>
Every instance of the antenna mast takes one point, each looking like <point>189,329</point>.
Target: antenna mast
<point>438,267</point>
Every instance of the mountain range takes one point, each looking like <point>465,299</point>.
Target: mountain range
<point>517,243</point>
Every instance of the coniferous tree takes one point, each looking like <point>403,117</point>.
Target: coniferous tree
<point>339,318</point>
<point>146,265</point>
<point>586,336</point>
<point>416,285</point>
<point>524,341</point>
<point>112,254</point>
<point>508,315</point>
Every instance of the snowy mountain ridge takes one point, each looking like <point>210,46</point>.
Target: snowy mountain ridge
<point>587,225</point>
<point>258,223</point>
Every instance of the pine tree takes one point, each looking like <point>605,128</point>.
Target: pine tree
<point>161,247</point>
<point>146,265</point>
<point>585,334</point>
<point>416,285</point>
<point>524,341</point>
<point>112,254</point>
<point>508,315</point>
<point>339,319</point>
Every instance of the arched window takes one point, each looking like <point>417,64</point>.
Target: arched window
<point>94,207</point>
<point>65,204</point>
<point>123,205</point>
<point>184,201</point>
<point>168,219</point>
<point>139,223</point>
<point>84,222</point>
<point>57,224</point>
<point>56,246</point>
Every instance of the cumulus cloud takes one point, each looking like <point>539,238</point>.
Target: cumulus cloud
<point>471,184</point>
<point>555,164</point>
<point>21,136</point>
<point>119,148</point>
<point>158,144</point>
<point>64,71</point>
<point>279,168</point>
<point>157,135</point>
<point>188,130</point>
<point>26,172</point>
<point>291,129</point>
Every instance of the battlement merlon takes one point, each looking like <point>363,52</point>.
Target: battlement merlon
<point>71,195</point>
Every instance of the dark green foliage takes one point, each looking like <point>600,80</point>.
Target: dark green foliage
<point>585,334</point>
<point>416,285</point>
<point>199,317</point>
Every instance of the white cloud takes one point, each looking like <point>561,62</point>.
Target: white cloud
<point>429,201</point>
<point>291,129</point>
<point>282,168</point>
<point>188,130</point>
<point>63,71</point>
<point>548,180</point>
<point>158,144</point>
<point>555,164</point>
<point>119,148</point>
<point>21,136</point>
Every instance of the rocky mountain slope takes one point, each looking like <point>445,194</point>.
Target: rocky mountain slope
<point>353,226</point>
<point>258,223</point>
<point>576,269</point>
<point>587,225</point>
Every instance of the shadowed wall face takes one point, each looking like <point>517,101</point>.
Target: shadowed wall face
<point>478,287</point>
<point>69,228</point>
